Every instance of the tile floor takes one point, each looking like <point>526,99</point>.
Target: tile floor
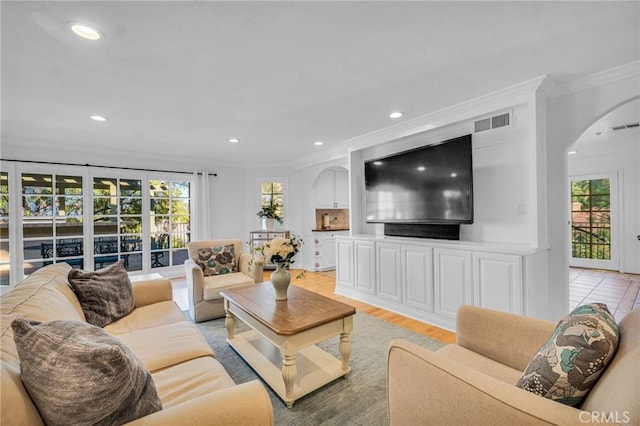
<point>618,291</point>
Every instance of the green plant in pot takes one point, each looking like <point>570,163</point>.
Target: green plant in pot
<point>269,212</point>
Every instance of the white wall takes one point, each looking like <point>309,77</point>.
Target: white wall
<point>617,153</point>
<point>227,204</point>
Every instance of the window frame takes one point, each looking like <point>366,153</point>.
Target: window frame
<point>615,213</point>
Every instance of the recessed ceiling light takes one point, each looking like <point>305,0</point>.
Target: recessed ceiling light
<point>572,152</point>
<point>421,168</point>
<point>395,115</point>
<point>318,143</point>
<point>234,140</point>
<point>98,118</point>
<point>85,31</point>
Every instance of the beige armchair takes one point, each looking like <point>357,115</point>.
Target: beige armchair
<point>473,381</point>
<point>205,302</point>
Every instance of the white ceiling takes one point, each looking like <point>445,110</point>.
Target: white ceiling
<point>180,78</point>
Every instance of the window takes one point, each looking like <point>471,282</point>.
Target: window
<point>170,219</point>
<point>4,229</point>
<point>52,218</point>
<point>591,219</point>
<point>117,222</point>
<point>272,194</point>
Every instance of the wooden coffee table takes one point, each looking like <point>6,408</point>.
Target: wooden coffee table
<point>280,346</point>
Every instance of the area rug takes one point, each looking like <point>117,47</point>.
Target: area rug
<point>360,398</point>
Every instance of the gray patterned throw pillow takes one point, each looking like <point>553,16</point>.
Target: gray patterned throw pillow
<point>570,363</point>
<point>104,295</point>
<point>78,374</point>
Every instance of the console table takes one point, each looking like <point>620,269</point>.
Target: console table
<point>258,238</point>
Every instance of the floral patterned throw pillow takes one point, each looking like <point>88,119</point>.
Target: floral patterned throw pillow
<point>217,260</point>
<point>570,363</point>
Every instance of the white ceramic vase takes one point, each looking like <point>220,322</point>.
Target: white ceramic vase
<point>280,279</point>
<point>268,223</point>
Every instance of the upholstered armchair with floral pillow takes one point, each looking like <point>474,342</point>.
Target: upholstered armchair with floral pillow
<point>214,266</point>
<point>508,369</point>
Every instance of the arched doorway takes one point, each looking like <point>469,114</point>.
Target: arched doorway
<point>603,181</point>
<point>566,118</point>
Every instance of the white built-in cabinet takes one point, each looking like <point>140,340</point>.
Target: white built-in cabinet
<point>389,271</point>
<point>324,249</point>
<point>332,190</point>
<point>498,281</point>
<point>417,277</point>
<point>429,279</point>
<point>452,280</point>
<point>344,262</point>
<point>364,261</point>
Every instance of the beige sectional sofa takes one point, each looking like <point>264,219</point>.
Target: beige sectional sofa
<point>474,380</point>
<point>193,386</point>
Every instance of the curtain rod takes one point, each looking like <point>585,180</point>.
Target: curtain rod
<point>105,167</point>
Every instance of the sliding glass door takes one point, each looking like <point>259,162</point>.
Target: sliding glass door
<point>52,220</point>
<point>90,218</point>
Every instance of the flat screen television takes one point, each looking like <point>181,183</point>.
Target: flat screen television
<point>432,184</point>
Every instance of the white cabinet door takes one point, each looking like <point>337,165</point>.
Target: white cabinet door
<point>325,193</point>
<point>417,282</point>
<point>364,262</point>
<point>341,189</point>
<point>388,267</point>
<point>344,266</point>
<point>328,253</point>
<point>452,280</point>
<point>497,281</point>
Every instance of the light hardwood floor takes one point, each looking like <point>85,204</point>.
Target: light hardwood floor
<point>621,293</point>
<point>325,283</point>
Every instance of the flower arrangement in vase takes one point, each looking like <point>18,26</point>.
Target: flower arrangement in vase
<point>280,251</point>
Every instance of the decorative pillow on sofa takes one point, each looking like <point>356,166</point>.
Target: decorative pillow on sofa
<point>104,295</point>
<point>217,260</point>
<point>78,374</point>
<point>570,363</point>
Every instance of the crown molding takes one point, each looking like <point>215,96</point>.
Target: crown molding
<point>632,69</point>
<point>497,100</point>
<point>500,99</point>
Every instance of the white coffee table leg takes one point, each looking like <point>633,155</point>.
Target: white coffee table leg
<point>289,372</point>
<point>230,324</point>
<point>345,349</point>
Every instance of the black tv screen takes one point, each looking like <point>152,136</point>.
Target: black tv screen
<point>432,184</point>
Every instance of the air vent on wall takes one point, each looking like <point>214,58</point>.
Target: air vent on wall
<point>494,122</point>
<point>626,126</point>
